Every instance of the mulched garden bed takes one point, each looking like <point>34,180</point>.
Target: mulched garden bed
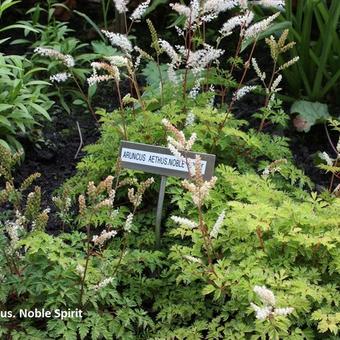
<point>55,158</point>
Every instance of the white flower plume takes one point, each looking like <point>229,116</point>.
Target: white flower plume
<point>268,311</point>
<point>259,27</point>
<point>218,224</point>
<point>60,77</point>
<point>265,294</point>
<point>243,91</point>
<point>119,40</point>
<point>184,221</point>
<point>121,5</point>
<point>139,11</point>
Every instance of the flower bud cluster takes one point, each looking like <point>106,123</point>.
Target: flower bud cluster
<point>325,156</point>
<point>184,221</point>
<point>199,191</point>
<point>66,59</point>
<point>192,259</point>
<point>217,226</point>
<point>273,167</point>
<point>112,73</point>
<point>93,192</point>
<point>139,11</point>
<point>136,197</point>
<point>199,59</point>
<point>259,27</point>
<point>103,283</point>
<point>242,21</point>
<point>60,77</point>
<point>190,119</point>
<point>119,40</point>
<point>15,228</point>
<point>103,237</point>
<point>128,223</point>
<point>279,4</point>
<point>268,311</point>
<point>121,5</point>
<point>179,143</point>
<point>259,73</point>
<point>171,52</point>
<point>80,270</point>
<point>240,93</point>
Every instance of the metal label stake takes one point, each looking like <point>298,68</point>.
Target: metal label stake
<point>160,211</point>
<point>159,160</point>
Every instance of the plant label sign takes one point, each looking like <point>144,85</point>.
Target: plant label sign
<point>160,161</point>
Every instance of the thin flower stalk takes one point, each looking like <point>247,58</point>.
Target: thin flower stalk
<point>196,185</point>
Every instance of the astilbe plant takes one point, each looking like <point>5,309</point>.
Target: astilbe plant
<point>239,234</point>
<point>250,231</point>
<point>67,63</point>
<point>23,213</point>
<point>92,204</point>
<point>196,68</point>
<point>78,270</point>
<point>205,261</point>
<point>244,237</point>
<point>199,190</point>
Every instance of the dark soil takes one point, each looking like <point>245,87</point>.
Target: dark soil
<point>304,146</point>
<point>54,156</point>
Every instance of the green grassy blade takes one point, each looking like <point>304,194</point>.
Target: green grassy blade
<point>329,85</point>
<point>95,26</point>
<point>327,37</point>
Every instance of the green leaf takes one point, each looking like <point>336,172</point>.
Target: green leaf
<point>104,50</point>
<point>309,112</point>
<point>6,4</point>
<point>208,289</point>
<point>5,121</point>
<point>5,144</point>
<point>83,330</point>
<point>4,40</point>
<point>25,27</point>
<point>41,110</point>
<point>4,107</point>
<point>78,102</point>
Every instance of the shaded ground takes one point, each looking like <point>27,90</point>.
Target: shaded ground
<point>54,158</point>
<point>304,146</point>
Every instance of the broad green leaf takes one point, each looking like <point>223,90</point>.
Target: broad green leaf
<point>309,114</point>
<point>208,289</point>
<point>5,121</point>
<point>4,107</point>
<point>41,110</point>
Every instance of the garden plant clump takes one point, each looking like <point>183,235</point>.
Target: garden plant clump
<point>251,253</point>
